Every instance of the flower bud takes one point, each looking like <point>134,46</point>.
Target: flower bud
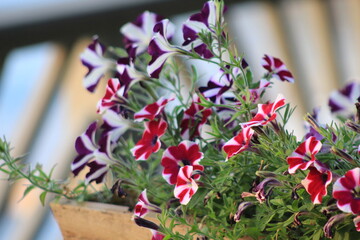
<point>118,190</point>
<point>241,209</point>
<point>145,223</point>
<point>334,220</point>
<point>312,121</point>
<point>342,154</point>
<point>353,126</point>
<point>265,174</point>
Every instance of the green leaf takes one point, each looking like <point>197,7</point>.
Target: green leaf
<point>27,191</point>
<point>42,198</point>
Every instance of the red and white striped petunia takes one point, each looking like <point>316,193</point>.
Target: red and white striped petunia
<point>138,34</point>
<point>156,235</point>
<point>143,206</point>
<point>304,155</point>
<point>239,143</point>
<point>93,58</point>
<point>194,118</point>
<point>114,95</point>
<point>175,157</point>
<point>152,110</point>
<point>160,49</point>
<point>266,113</point>
<point>186,186</point>
<point>277,68</point>
<point>357,223</point>
<point>316,183</point>
<point>150,141</point>
<point>346,190</point>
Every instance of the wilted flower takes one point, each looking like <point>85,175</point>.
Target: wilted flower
<point>334,220</point>
<point>241,208</point>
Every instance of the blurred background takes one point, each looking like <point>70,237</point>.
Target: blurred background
<point>44,107</point>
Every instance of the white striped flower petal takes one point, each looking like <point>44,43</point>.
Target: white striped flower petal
<point>138,34</point>
<point>346,190</point>
<point>277,68</point>
<point>128,74</point>
<point>239,143</point>
<point>152,110</point>
<point>143,206</point>
<point>198,23</point>
<point>115,125</point>
<point>160,49</point>
<point>93,58</point>
<point>96,156</point>
<point>342,102</point>
<point>316,183</point>
<point>114,95</point>
<point>186,186</point>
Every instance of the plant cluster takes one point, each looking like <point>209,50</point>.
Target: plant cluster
<point>213,157</point>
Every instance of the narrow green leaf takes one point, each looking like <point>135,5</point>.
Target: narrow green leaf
<point>42,198</point>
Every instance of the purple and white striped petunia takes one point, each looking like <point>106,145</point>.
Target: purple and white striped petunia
<point>316,183</point>
<point>160,49</point>
<point>218,86</point>
<point>127,73</point>
<point>266,113</point>
<point>277,68</point>
<point>150,141</point>
<point>304,155</point>
<point>346,190</point>
<point>175,157</point>
<point>205,21</point>
<point>93,58</point>
<point>143,206</point>
<point>114,95</point>
<point>342,102</point>
<point>239,143</point>
<point>115,125</point>
<point>152,110</point>
<point>96,156</point>
<point>185,186</point>
<point>138,34</point>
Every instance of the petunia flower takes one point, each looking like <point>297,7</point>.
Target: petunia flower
<point>346,190</point>
<point>115,125</point>
<point>357,223</point>
<point>156,235</point>
<point>266,113</point>
<point>239,143</point>
<point>160,49</point>
<point>186,186</point>
<point>203,22</point>
<point>316,183</point>
<point>96,156</point>
<point>332,222</point>
<point>143,206</point>
<point>277,68</point>
<point>137,34</point>
<point>114,95</point>
<point>342,102</point>
<point>218,86</point>
<point>127,73</point>
<point>255,93</point>
<point>93,58</point>
<point>152,110</point>
<point>304,155</point>
<point>150,141</point>
<point>175,157</point>
<point>194,118</point>
<point>241,208</point>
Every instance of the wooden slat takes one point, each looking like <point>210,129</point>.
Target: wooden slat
<point>307,28</point>
<point>346,37</point>
<point>257,30</point>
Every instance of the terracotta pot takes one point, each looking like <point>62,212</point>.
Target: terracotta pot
<point>100,221</point>
<point>96,221</point>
